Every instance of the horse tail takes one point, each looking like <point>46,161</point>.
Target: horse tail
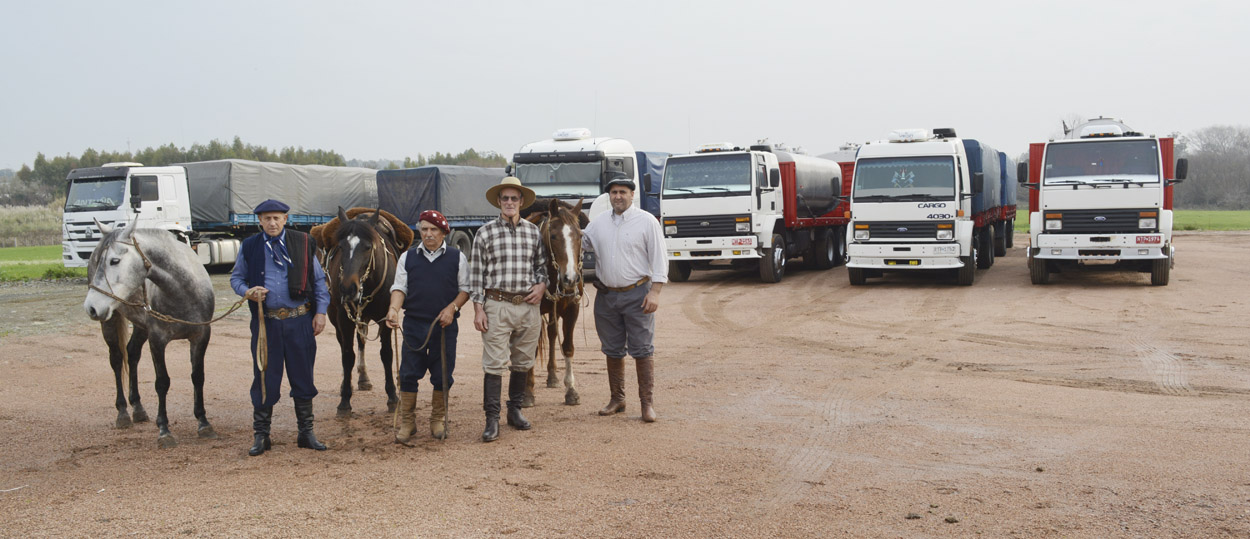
<point>123,340</point>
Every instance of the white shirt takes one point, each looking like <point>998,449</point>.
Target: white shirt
<point>627,247</point>
<point>401,273</point>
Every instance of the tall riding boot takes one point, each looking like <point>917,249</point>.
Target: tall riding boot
<point>438,416</point>
<point>616,382</point>
<point>304,419</point>
<point>516,393</point>
<point>407,416</point>
<point>261,418</point>
<point>646,379</point>
<point>492,385</point>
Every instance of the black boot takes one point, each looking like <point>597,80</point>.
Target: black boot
<point>516,392</point>
<point>304,419</point>
<point>491,386</point>
<point>260,427</point>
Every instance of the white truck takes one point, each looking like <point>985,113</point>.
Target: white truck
<point>927,201</point>
<point>725,205</point>
<point>573,164</point>
<point>207,205</point>
<point>1101,197</point>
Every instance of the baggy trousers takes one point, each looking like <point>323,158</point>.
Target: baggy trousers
<point>414,362</point>
<point>291,346</point>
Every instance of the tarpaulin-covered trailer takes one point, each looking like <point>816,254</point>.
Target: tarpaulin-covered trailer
<point>224,193</point>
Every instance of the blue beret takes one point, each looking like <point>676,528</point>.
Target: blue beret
<point>271,205</point>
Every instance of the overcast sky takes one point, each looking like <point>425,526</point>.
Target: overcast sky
<point>389,80</point>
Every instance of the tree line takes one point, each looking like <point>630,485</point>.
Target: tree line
<point>44,182</point>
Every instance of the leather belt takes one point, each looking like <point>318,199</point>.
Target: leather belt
<point>284,313</point>
<point>506,297</point>
<point>604,287</point>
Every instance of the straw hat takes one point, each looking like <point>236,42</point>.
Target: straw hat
<point>527,195</point>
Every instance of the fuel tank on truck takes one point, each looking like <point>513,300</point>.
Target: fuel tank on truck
<point>816,181</point>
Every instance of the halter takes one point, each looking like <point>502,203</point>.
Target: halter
<point>554,270</point>
<point>355,312</point>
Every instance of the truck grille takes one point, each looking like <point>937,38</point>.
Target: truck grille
<point>703,226</point>
<point>903,230</point>
<point>1101,221</point>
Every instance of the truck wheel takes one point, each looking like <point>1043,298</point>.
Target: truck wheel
<point>986,247</point>
<point>773,264</point>
<point>1038,273</point>
<point>840,240</point>
<point>1160,271</point>
<point>1001,233</point>
<point>965,274</point>
<point>857,276</point>
<point>824,252</point>
<point>460,240</point>
<point>1010,235</point>
<point>678,272</point>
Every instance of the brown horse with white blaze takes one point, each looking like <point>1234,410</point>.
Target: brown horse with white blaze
<point>561,230</point>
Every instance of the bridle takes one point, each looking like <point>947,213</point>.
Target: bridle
<point>355,311</point>
<point>554,270</point>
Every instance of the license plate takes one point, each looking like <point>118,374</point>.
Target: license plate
<point>741,241</point>
<point>1149,239</point>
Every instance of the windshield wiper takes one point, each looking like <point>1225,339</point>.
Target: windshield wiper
<point>678,189</point>
<point>716,188</point>
<point>874,198</point>
<point>919,197</point>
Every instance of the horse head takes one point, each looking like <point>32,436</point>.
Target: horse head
<point>361,258</point>
<point>562,237</point>
<point>116,267</point>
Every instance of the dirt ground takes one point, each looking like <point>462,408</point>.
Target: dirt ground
<point>1091,407</point>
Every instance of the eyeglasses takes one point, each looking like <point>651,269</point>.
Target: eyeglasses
<point>509,198</point>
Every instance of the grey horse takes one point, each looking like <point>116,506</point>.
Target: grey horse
<point>132,269</point>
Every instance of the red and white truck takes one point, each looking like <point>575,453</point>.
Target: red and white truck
<point>730,206</point>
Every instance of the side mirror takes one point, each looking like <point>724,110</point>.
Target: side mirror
<point>774,177</point>
<point>646,182</point>
<point>1022,172</point>
<point>136,200</point>
<point>978,182</point>
<point>1182,168</point>
<point>507,170</point>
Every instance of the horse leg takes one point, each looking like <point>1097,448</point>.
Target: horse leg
<point>527,401</point>
<point>114,330</point>
<point>134,351</point>
<point>571,397</point>
<point>199,345</point>
<point>165,439</point>
<point>349,360</point>
<point>363,382</point>
<point>553,379</point>
<point>392,398</point>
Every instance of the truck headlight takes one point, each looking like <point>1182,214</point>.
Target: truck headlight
<point>670,230</point>
<point>1147,223</point>
<point>742,227</point>
<point>1054,224</point>
<point>861,233</point>
<point>945,234</point>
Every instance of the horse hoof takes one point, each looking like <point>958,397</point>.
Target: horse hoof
<point>527,401</point>
<point>123,421</point>
<point>553,383</point>
<point>343,413</point>
<point>166,441</point>
<point>207,432</point>
<point>571,398</point>
<point>364,386</point>
<point>390,406</point>
<point>139,414</point>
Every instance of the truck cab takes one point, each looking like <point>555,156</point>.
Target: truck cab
<point>121,194</point>
<point>1101,197</point>
<point>573,164</point>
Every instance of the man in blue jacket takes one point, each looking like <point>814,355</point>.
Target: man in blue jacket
<point>278,271</point>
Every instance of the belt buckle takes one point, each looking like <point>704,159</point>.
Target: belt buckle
<point>517,299</point>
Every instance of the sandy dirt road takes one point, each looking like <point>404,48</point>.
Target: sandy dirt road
<point>1095,406</point>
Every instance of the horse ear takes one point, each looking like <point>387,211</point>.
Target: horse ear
<point>104,229</point>
<point>577,208</point>
<point>553,207</point>
<point>342,215</point>
<point>377,215</point>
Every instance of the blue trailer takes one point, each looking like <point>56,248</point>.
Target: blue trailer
<point>458,192</point>
<point>651,163</point>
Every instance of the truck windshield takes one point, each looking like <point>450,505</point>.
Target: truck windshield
<point>707,175</point>
<point>905,178</point>
<point>561,180</point>
<point>1102,160</point>
<point>94,194</point>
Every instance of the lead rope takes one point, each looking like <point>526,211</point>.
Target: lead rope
<point>262,350</point>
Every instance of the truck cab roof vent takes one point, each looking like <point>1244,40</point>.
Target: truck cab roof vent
<point>122,164</point>
<point>718,147</point>
<point>761,148</point>
<point>571,133</point>
<point>944,132</point>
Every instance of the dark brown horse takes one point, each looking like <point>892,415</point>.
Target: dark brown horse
<point>561,226</point>
<point>360,265</point>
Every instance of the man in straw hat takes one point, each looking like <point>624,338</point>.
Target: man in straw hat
<point>507,280</point>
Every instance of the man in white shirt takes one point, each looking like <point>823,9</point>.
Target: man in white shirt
<point>631,269</point>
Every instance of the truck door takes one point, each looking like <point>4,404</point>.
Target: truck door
<point>766,193</point>
<point>151,210</point>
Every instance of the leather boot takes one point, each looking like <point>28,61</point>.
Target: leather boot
<point>304,420</point>
<point>438,416</point>
<point>616,382</point>
<point>407,416</point>
<point>492,385</point>
<point>646,378</point>
<point>516,393</point>
<point>261,418</point>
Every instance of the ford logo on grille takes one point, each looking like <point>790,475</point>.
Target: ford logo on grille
<point>902,229</point>
<point>704,223</point>
<point>1100,219</point>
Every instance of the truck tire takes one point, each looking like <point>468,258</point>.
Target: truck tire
<point>1001,233</point>
<point>1010,235</point>
<point>1038,273</point>
<point>985,242</point>
<point>678,272</point>
<point>857,276</point>
<point>460,240</point>
<point>839,234</point>
<point>824,251</point>
<point>1160,271</point>
<point>773,264</point>
<point>964,275</point>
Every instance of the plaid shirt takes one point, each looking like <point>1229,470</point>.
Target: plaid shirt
<point>506,257</point>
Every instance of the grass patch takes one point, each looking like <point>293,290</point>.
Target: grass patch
<point>1181,220</point>
<point>44,262</point>
<point>42,253</point>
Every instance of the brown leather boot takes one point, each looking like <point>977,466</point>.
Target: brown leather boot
<point>438,416</point>
<point>646,378</point>
<point>616,382</point>
<point>407,416</point>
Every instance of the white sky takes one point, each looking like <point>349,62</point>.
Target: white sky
<point>388,80</point>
